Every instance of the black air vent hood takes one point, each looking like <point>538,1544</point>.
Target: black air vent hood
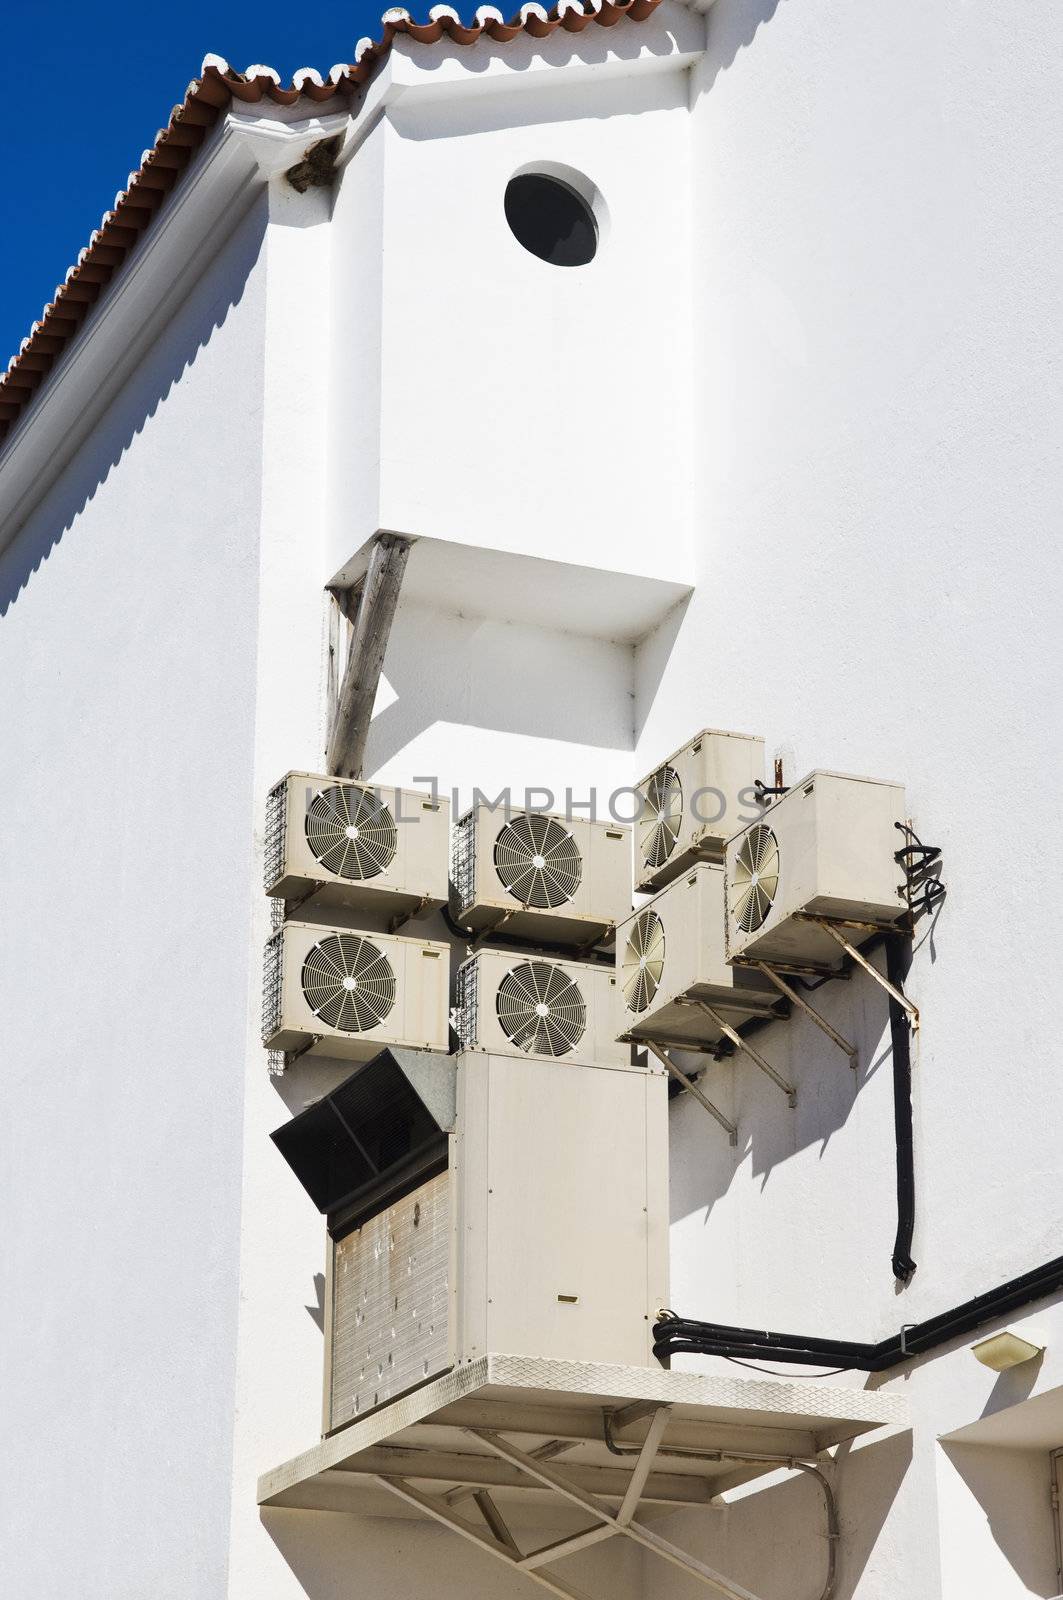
<point>384,1124</point>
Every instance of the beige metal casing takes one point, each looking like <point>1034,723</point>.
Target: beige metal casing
<point>562,1209</point>
<point>480,1028</point>
<point>692,920</point>
<point>418,986</point>
<point>547,1233</point>
<point>717,773</point>
<point>414,826</point>
<point>481,900</point>
<point>837,837</point>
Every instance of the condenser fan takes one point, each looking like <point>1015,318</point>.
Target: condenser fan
<point>538,861</point>
<point>756,877</point>
<point>351,831</point>
<point>643,960</point>
<point>662,815</point>
<point>348,982</point>
<point>540,1009</point>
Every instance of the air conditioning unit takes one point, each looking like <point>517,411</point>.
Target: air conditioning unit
<point>479,1204</point>
<point>541,877</point>
<point>694,802</point>
<point>672,953</point>
<point>357,845</point>
<point>513,1004</point>
<point>826,849</point>
<point>334,992</point>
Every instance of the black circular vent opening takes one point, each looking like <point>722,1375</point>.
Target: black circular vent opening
<point>551,220</point>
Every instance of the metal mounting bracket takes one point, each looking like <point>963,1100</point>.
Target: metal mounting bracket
<point>810,1011</point>
<point>744,1045</point>
<point>880,978</point>
<point>729,1127</point>
<point>408,916</point>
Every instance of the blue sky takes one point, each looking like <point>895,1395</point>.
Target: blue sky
<point>87,87</point>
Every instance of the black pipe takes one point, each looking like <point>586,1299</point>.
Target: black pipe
<point>678,1335</point>
<point>897,960</point>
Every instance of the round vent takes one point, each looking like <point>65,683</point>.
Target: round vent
<point>661,817</point>
<point>755,877</point>
<point>643,960</point>
<point>351,831</point>
<point>538,861</point>
<point>540,1009</point>
<point>348,982</point>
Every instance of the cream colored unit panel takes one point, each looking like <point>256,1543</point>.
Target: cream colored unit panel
<point>358,845</point>
<point>692,803</point>
<point>390,1323</point>
<point>826,849</point>
<point>333,992</point>
<point>541,877</point>
<point>574,1210</point>
<point>671,954</point>
<point>535,1007</point>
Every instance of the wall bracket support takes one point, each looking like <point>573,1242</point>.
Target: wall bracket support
<point>370,609</point>
<point>810,1011</point>
<point>861,960</point>
<point>746,1048</point>
<point>691,1087</point>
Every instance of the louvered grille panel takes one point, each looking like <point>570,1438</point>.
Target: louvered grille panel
<point>276,825</point>
<point>271,986</point>
<point>463,863</point>
<point>466,1013</point>
<point>390,1302</point>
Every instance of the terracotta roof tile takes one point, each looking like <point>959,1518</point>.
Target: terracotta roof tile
<point>205,99</point>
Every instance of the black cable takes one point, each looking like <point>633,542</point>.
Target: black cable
<point>900,1037</point>
<point>680,1335</point>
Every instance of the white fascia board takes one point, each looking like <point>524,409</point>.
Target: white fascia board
<point>211,200</point>
<point>669,41</point>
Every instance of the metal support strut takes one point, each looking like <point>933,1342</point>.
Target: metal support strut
<point>810,1011</point>
<point>744,1045</point>
<point>691,1087</point>
<point>880,978</point>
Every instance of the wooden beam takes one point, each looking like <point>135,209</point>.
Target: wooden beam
<point>372,619</point>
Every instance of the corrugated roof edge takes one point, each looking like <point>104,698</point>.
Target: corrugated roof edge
<point>190,122</point>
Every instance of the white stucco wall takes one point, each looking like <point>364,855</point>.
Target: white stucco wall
<point>128,617</point>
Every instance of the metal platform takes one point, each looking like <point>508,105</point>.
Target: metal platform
<point>474,1448</point>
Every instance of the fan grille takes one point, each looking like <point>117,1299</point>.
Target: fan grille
<point>643,960</point>
<point>538,861</point>
<point>661,817</point>
<point>348,983</point>
<point>540,1009</point>
<point>351,831</point>
<point>755,878</point>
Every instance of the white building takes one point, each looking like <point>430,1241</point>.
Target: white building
<point>783,457</point>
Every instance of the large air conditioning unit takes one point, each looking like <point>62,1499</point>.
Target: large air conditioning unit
<point>538,876</point>
<point>334,992</point>
<point>477,1204</point>
<point>826,849</point>
<point>671,962</point>
<point>513,1004</point>
<point>693,802</point>
<point>358,845</point>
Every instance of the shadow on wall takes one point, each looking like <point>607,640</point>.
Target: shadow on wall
<point>770,1131</point>
<point>500,677</point>
<point>772,1540</point>
<point>189,329</point>
<point>335,1556</point>
<point>1010,1489</point>
<point>733,25</point>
